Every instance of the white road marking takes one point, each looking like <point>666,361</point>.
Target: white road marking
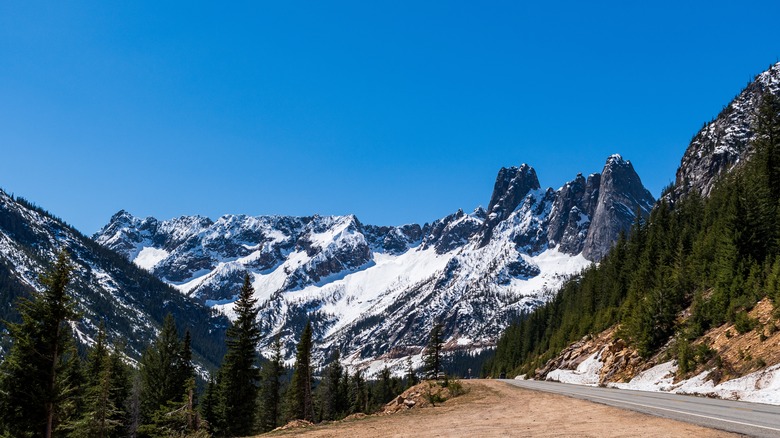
<point>684,412</point>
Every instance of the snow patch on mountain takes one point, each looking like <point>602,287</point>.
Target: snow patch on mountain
<point>149,256</point>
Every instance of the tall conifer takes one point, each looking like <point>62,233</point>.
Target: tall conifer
<point>300,404</point>
<point>240,375</point>
<point>35,383</point>
<point>432,354</point>
<point>271,389</point>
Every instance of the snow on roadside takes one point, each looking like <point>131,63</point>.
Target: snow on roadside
<point>762,386</point>
<point>587,373</point>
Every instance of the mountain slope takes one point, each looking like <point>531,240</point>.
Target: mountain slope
<point>725,141</point>
<point>689,300</point>
<point>105,285</point>
<point>375,291</point>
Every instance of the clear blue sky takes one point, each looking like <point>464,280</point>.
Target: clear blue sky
<point>398,112</point>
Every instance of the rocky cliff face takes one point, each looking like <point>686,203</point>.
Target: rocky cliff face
<point>621,196</point>
<point>725,141</point>
<point>374,291</point>
<point>512,184</point>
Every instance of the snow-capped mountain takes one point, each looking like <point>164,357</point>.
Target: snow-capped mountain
<point>724,142</point>
<point>375,291</point>
<point>106,287</point>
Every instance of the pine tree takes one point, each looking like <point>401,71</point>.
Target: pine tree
<point>384,387</point>
<point>165,371</point>
<point>411,376</point>
<point>106,392</point>
<point>432,354</point>
<point>330,398</point>
<point>209,403</point>
<point>358,394</point>
<point>300,405</point>
<point>240,376</point>
<point>271,389</point>
<point>35,383</point>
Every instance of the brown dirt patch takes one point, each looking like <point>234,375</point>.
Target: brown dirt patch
<point>495,409</point>
<point>742,354</point>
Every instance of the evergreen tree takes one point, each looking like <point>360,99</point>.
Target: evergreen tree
<point>330,397</point>
<point>411,376</point>
<point>300,404</point>
<point>37,378</point>
<point>383,389</point>
<point>165,372</point>
<point>240,376</point>
<point>209,403</point>
<point>271,389</point>
<point>107,389</point>
<point>432,354</point>
<point>358,394</point>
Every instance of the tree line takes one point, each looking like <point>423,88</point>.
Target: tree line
<point>47,389</point>
<point>717,256</point>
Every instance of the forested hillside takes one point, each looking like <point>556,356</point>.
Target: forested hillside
<point>715,256</point>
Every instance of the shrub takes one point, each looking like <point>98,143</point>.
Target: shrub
<point>743,323</point>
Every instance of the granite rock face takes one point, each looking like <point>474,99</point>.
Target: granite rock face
<point>511,187</point>
<point>621,196</point>
<point>724,142</point>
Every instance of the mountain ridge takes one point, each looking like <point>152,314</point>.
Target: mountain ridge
<point>474,271</point>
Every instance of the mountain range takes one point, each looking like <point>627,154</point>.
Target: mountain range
<point>375,291</point>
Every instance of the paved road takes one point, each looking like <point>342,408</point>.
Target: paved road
<point>753,419</point>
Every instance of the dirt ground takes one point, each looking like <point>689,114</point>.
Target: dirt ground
<point>494,409</point>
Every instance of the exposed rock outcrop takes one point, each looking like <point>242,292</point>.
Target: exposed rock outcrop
<point>725,141</point>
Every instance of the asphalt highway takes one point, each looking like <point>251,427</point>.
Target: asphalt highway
<point>752,419</point>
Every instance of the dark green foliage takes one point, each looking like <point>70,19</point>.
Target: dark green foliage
<point>743,323</point>
<point>331,397</point>
<point>270,415</point>
<point>165,373</point>
<point>177,418</point>
<point>466,364</point>
<point>358,394</point>
<point>383,389</point>
<point>239,374</point>
<point>685,359</point>
<point>432,358</point>
<point>300,403</point>
<point>717,255</point>
<point>209,403</point>
<point>40,376</point>
<point>107,389</point>
<point>411,375</point>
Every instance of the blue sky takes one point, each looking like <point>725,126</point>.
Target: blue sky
<point>396,111</point>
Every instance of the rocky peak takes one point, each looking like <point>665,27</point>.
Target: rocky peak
<point>724,142</point>
<point>450,232</point>
<point>512,184</point>
<point>570,215</point>
<point>620,195</point>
